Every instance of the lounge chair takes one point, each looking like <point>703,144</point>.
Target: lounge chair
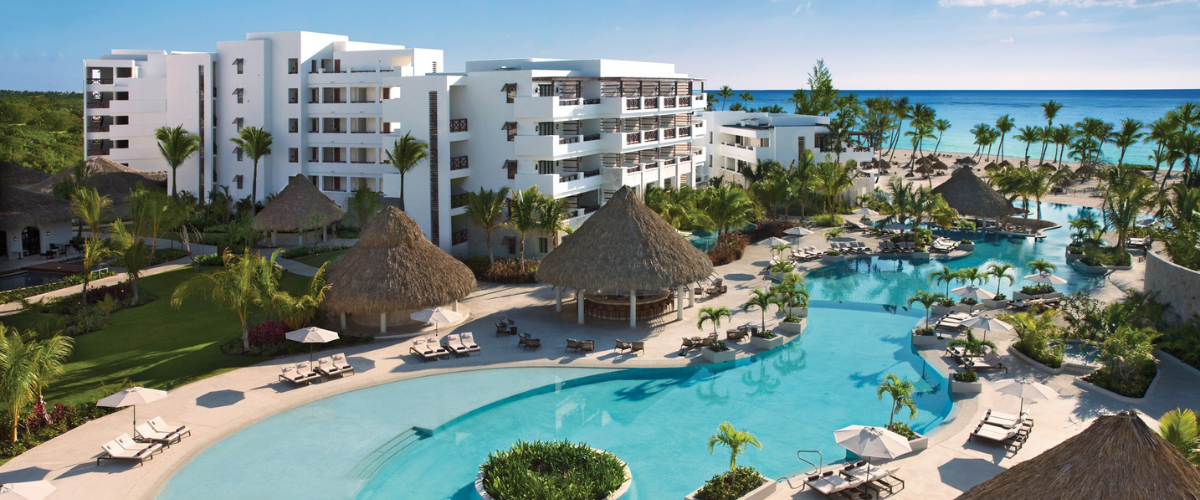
<point>623,345</point>
<point>158,424</point>
<point>990,361</point>
<point>339,360</point>
<point>1006,420</point>
<point>326,367</point>
<point>422,348</point>
<point>638,347</point>
<point>829,484</point>
<point>114,451</point>
<point>1007,437</point>
<point>587,346</point>
<point>453,345</point>
<point>877,478</point>
<point>290,374</point>
<point>147,433</point>
<point>129,444</point>
<point>736,335</point>
<point>688,344</point>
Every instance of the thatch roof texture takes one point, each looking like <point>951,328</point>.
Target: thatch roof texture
<point>12,174</point>
<point>624,246</point>
<point>20,208</point>
<point>394,268</point>
<point>968,194</point>
<point>1117,456</point>
<point>295,208</point>
<point>110,179</point>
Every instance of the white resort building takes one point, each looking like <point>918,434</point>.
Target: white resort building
<point>577,129</point>
<point>738,138</point>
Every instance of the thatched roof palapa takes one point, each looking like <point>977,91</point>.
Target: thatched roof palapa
<point>968,194</point>
<point>624,246</point>
<point>110,179</point>
<point>294,208</point>
<point>394,268</point>
<point>12,174</point>
<point>1118,456</point>
<point>20,208</point>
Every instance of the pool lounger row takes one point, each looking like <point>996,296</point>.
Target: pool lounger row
<point>153,437</point>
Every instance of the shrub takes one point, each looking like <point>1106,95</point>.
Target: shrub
<point>718,346</point>
<point>119,292</point>
<point>43,424</point>
<point>347,232</point>
<point>267,340</point>
<point>212,259</point>
<point>967,376</point>
<point>1000,296</point>
<point>966,242</point>
<point>30,291</point>
<point>1037,289</point>
<point>902,429</point>
<point>827,220</point>
<point>1105,256</point>
<point>924,331</point>
<point>968,301</point>
<point>308,251</point>
<point>731,485</point>
<point>1134,388</point>
<point>267,333</point>
<point>833,253</point>
<point>552,470</point>
<point>947,302</point>
<point>162,255</point>
<point>729,247</point>
<point>764,334</point>
<point>506,271</point>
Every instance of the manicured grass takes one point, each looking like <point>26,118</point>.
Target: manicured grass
<point>153,345</point>
<point>321,258</point>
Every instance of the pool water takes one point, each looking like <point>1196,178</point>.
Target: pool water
<point>354,445</point>
<point>888,279</point>
<point>1080,353</point>
<point>28,278</point>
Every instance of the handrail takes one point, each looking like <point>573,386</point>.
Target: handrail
<point>820,459</point>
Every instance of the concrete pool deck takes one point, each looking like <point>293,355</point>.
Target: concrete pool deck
<point>219,406</point>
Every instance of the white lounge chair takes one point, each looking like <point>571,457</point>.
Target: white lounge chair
<point>147,433</point>
<point>326,367</point>
<point>158,424</point>
<point>424,350</point>
<point>452,344</point>
<point>114,451</point>
<point>468,341</point>
<point>339,360</point>
<point>129,444</point>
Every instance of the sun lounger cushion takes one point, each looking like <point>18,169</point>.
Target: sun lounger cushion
<point>339,360</point>
<point>158,424</point>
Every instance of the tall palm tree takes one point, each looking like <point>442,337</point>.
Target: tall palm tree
<point>1179,428</point>
<point>1161,131</point>
<point>1000,271</point>
<point>88,206</point>
<point>238,286</point>
<point>1130,133</point>
<point>486,210</point>
<point>407,152</point>
<point>746,97</point>
<point>926,299</point>
<point>1028,135</point>
<point>802,172</point>
<point>132,254</point>
<point>725,94</point>
<point>1128,193</point>
<point>1004,125</point>
<point>552,215</point>
<point>901,392</point>
<point>523,214</point>
<point>831,180</point>
<point>971,274</point>
<point>941,125</point>
<point>176,145</point>
<point>1040,266</point>
<point>735,440</point>
<point>49,357</point>
<point>901,110</point>
<point>728,207</point>
<point>300,311</point>
<point>18,373</point>
<point>255,143</point>
<point>1050,110</point>
<point>944,275</point>
<point>712,315</point>
<point>763,300</point>
<point>773,192</point>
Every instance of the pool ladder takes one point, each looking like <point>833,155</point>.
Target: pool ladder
<point>820,459</point>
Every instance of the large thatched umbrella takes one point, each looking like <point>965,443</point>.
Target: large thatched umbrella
<point>394,269</point>
<point>12,174</point>
<point>111,179</point>
<point>20,209</point>
<point>624,246</point>
<point>298,208</point>
<point>968,194</point>
<point>1118,456</point>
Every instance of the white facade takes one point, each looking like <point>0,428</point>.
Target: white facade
<point>736,138</point>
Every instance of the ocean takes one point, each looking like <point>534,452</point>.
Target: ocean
<point>965,108</point>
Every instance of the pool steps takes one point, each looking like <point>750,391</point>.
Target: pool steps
<point>388,452</point>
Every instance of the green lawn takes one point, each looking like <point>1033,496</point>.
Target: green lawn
<point>152,345</point>
<point>321,258</point>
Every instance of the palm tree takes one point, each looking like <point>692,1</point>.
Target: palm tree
<point>901,392</point>
<point>735,440</point>
<point>1028,135</point>
<point>1049,110</point>
<point>941,125</point>
<point>773,192</point>
<point>831,180</point>
<point>552,215</point>
<point>725,94</point>
<point>944,275</point>
<point>299,312</point>
<point>88,206</point>
<point>255,143</point>
<point>523,214</point>
<point>926,299</point>
<point>49,357</point>
<point>971,274</point>
<point>18,373</point>
<point>1131,132</point>
<point>1000,271</point>
<point>713,315</point>
<point>763,300</point>
<point>728,207</point>
<point>1162,130</point>
<point>176,145</point>
<point>1004,124</point>
<point>406,153</point>
<point>972,344</point>
<point>486,210</point>
<point>1040,266</point>
<point>791,293</point>
<point>1038,183</point>
<point>746,97</point>
<point>1179,428</point>
<point>360,206</point>
<point>132,254</point>
<point>1127,195</point>
<point>237,287</point>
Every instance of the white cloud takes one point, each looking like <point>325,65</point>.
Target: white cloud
<point>1006,40</point>
<point>1062,13</point>
<point>996,14</point>
<point>802,8</point>
<point>1132,4</point>
<point>1035,13</point>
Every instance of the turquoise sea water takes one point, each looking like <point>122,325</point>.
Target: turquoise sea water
<point>965,108</point>
<point>657,420</point>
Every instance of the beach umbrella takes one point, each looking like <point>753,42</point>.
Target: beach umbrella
<point>1045,279</point>
<point>871,442</point>
<point>1146,222</point>
<point>772,241</point>
<point>797,231</point>
<point>132,396</point>
<point>973,292</point>
<point>896,226</point>
<point>29,490</point>
<point>436,316</point>
<point>311,335</point>
<point>987,324</point>
<point>865,211</point>
<point>1024,390</point>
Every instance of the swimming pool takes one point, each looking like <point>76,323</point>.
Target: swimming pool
<point>24,279</point>
<point>362,444</point>
<point>889,279</point>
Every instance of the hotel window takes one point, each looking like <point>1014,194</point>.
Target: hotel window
<point>543,245</point>
<point>238,93</point>
<point>314,95</point>
<point>386,92</point>
<point>121,144</point>
<point>545,89</point>
<point>545,167</point>
<point>238,123</point>
<point>435,67</point>
<point>124,72</point>
<point>764,143</point>
<point>293,96</point>
<point>313,153</point>
<point>237,180</point>
<point>293,155</point>
<point>387,127</point>
<point>121,120</point>
<point>510,92</point>
<point>238,153</point>
<point>314,66</point>
<point>314,125</point>
<point>293,66</point>
<point>293,125</point>
<point>122,96</point>
<point>545,128</point>
<point>331,184</point>
<point>237,63</point>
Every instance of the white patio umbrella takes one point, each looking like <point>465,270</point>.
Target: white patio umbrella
<point>29,490</point>
<point>871,442</point>
<point>973,292</point>
<point>772,241</point>
<point>897,226</point>
<point>1023,390</point>
<point>436,316</point>
<point>132,396</point>
<point>311,335</point>
<point>797,231</point>
<point>1146,222</point>
<point>1045,279</point>
<point>865,211</point>
<point>987,324</point>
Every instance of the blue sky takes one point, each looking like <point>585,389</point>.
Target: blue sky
<point>746,44</point>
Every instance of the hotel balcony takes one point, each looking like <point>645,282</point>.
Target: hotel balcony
<point>555,107</point>
<point>458,129</point>
<point>742,152</point>
<point>460,166</point>
<point>560,185</point>
<point>640,174</point>
<point>565,145</point>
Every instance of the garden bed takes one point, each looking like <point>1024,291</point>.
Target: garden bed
<point>558,469</point>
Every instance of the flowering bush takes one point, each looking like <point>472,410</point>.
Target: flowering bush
<point>267,333</point>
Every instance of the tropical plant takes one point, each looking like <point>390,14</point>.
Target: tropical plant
<point>725,94</point>
<point>944,275</point>
<point>131,253</point>
<point>941,126</point>
<point>1127,352</point>
<point>1179,428</point>
<point>407,152</point>
<point>1028,134</point>
<point>88,206</point>
<point>1130,133</point>
<point>176,145</point>
<point>1004,125</point>
<point>791,294</point>
<point>901,392</point>
<point>18,374</point>
<point>1050,110</point>
<point>362,204</point>
<point>972,344</point>
<point>763,300</point>
<point>1040,266</point>
<point>244,282</point>
<point>298,311</point>
<point>255,143</point>
<point>735,440</point>
<point>1035,331</point>
<point>746,97</point>
<point>926,299</point>
<point>831,179</point>
<point>557,469</point>
<point>552,215</point>
<point>713,315</point>
<point>523,215</point>
<point>1000,271</point>
<point>1127,194</point>
<point>728,207</point>
<point>485,209</point>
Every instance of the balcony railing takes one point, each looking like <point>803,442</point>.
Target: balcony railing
<point>651,135</point>
<point>335,131</point>
<point>669,133</point>
<point>98,81</point>
<point>97,128</point>
<point>591,137</point>
<point>568,102</point>
<point>591,101</point>
<point>633,138</point>
<point>458,200</point>
<point>590,173</point>
<point>633,104</point>
<point>458,162</point>
<point>685,131</point>
<point>362,131</point>
<point>588,210</point>
<point>97,151</point>
<point>685,101</point>
<point>97,104</point>
<point>458,125</point>
<point>458,237</point>
<point>570,139</point>
<point>668,102</point>
<point>362,161</point>
<point>651,103</point>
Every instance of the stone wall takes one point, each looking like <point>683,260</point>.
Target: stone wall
<point>1175,285</point>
